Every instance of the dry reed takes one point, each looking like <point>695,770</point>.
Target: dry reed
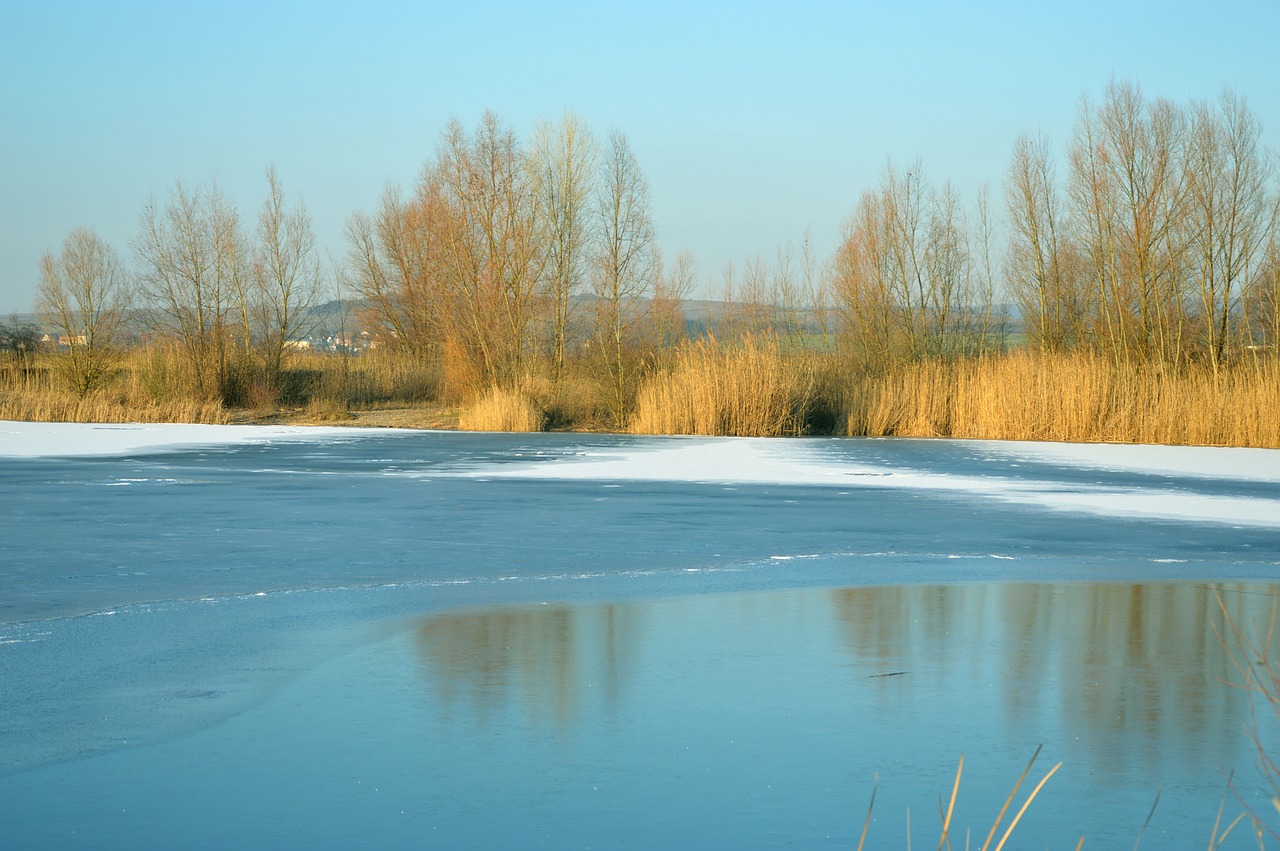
<point>1074,397</point>
<point>749,387</point>
<point>746,390</point>
<point>573,400</point>
<point>501,410</point>
<point>376,377</point>
<point>944,840</point>
<point>64,406</point>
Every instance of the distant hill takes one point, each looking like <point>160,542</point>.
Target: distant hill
<point>336,315</point>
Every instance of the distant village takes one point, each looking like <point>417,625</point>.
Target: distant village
<point>25,332</point>
<point>350,344</point>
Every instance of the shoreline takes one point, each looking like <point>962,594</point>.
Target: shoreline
<point>445,419</point>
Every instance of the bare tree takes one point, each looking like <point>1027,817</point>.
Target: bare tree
<point>286,275</point>
<point>1262,307</point>
<point>789,298</point>
<point>986,329</point>
<point>454,271</point>
<point>492,244</point>
<point>904,276</point>
<point>340,290</point>
<point>562,162</point>
<point>1093,198</point>
<point>745,309</point>
<point>770,297</point>
<point>666,319</point>
<point>83,295</point>
<point>395,265</point>
<point>624,271</point>
<point>1127,191</point>
<point>192,268</point>
<point>949,269</point>
<point>1228,215</point>
<point>1038,277</point>
<point>817,291</point>
<point>20,340</point>
<point>731,322</point>
<point>863,283</point>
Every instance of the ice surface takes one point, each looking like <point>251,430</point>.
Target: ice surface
<point>165,591</point>
<point>739,461</point>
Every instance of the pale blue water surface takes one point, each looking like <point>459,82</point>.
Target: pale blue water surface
<point>383,641</point>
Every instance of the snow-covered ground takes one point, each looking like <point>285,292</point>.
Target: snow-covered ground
<point>79,440</point>
<point>784,462</point>
<point>1251,465</point>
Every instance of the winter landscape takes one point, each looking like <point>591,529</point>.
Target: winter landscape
<point>665,425</point>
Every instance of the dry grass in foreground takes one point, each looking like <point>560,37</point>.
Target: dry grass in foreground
<point>945,839</point>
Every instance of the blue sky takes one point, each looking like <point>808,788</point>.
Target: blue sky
<point>752,121</point>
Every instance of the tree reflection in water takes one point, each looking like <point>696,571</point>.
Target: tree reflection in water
<point>1143,663</point>
<point>545,659</point>
<point>1131,672</point>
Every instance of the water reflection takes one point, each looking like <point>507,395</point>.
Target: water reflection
<point>1136,674</point>
<point>1130,669</point>
<point>546,659</point>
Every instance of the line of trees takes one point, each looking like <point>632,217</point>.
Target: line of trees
<point>228,299</point>
<point>507,260</point>
<point>489,261</point>
<point>913,277</point>
<point>84,294</point>
<point>1160,243</point>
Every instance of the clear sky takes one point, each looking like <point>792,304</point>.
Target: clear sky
<point>752,121</point>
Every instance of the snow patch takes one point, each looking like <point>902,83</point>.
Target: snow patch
<point>67,440</point>
<point>772,461</point>
<point>1218,462</point>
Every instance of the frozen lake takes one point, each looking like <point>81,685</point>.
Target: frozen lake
<point>290,638</point>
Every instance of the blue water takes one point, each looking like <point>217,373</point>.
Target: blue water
<point>378,641</point>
